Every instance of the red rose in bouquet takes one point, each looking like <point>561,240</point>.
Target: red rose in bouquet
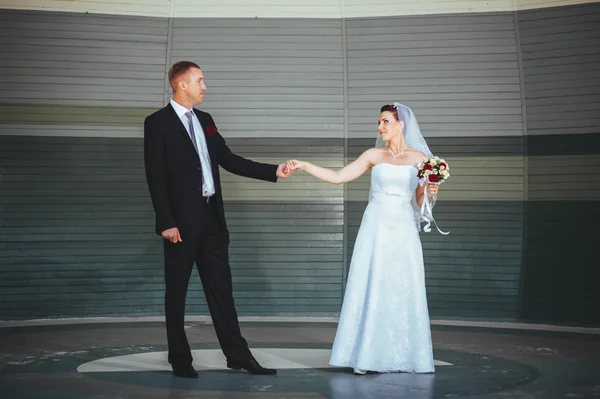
<point>433,170</point>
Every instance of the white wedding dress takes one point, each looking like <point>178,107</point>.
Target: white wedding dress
<point>384,322</point>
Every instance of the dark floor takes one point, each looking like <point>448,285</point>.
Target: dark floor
<point>43,361</point>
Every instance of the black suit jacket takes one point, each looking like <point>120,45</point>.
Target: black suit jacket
<point>174,173</point>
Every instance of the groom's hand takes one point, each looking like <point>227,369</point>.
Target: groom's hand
<point>172,235</point>
<point>283,171</point>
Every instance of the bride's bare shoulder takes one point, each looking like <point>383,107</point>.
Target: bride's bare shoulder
<point>372,155</point>
<point>376,153</point>
<point>412,151</point>
<point>416,154</point>
<point>373,152</point>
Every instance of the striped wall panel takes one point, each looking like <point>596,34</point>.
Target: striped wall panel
<point>274,78</point>
<point>561,64</point>
<point>71,59</point>
<point>560,262</point>
<point>459,74</point>
<point>77,233</point>
<point>77,227</point>
<point>559,259</point>
<point>564,177</point>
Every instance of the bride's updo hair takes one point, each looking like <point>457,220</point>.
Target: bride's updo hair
<point>391,108</point>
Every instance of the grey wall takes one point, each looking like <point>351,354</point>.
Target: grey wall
<point>561,65</point>
<point>76,234</point>
<point>460,75</point>
<point>75,59</point>
<point>268,77</point>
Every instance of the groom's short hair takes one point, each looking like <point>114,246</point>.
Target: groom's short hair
<point>178,69</point>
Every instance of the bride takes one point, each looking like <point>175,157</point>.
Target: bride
<point>384,322</point>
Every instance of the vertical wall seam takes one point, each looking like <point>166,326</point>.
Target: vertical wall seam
<point>168,50</point>
<point>524,231</point>
<point>523,104</point>
<point>346,145</point>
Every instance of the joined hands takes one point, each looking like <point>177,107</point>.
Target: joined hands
<point>284,171</point>
<point>295,165</point>
<point>288,168</point>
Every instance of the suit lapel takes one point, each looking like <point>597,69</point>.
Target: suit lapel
<point>177,122</point>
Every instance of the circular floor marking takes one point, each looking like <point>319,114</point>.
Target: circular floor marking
<point>303,369</point>
<point>211,359</point>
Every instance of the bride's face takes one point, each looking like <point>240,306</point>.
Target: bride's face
<point>389,127</point>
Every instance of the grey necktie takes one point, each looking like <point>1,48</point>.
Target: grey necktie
<point>207,184</point>
<point>190,119</point>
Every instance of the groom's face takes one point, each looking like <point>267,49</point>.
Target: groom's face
<point>194,85</point>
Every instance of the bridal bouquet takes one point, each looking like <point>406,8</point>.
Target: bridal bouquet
<point>433,170</point>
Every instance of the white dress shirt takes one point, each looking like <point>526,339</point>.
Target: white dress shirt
<point>208,185</point>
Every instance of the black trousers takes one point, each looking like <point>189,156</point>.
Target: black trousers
<point>207,247</point>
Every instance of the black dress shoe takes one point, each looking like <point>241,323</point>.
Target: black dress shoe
<point>185,371</point>
<point>251,366</point>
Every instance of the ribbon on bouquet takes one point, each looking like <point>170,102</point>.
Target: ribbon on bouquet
<point>427,214</point>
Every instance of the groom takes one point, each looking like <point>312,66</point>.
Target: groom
<point>182,152</point>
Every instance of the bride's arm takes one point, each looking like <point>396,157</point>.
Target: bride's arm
<point>344,175</point>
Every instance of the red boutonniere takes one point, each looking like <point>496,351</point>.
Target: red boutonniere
<point>211,131</point>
